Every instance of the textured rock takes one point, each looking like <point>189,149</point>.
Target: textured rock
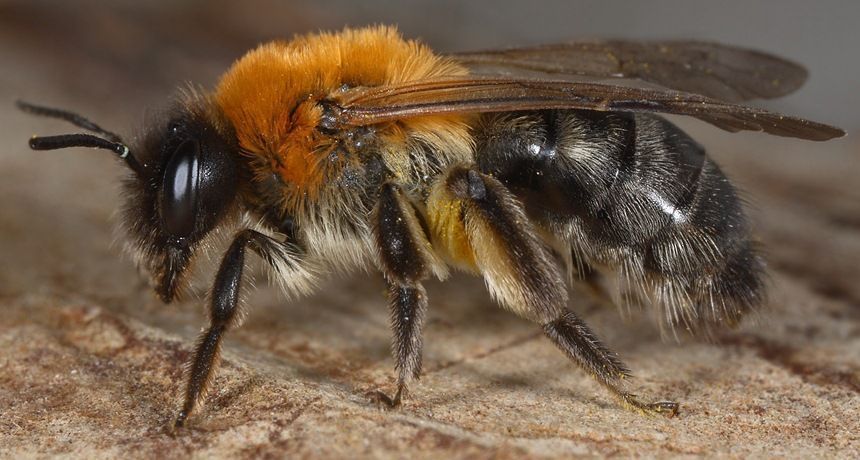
<point>91,363</point>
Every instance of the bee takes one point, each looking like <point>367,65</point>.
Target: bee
<point>361,149</point>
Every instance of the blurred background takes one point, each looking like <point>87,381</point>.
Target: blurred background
<point>114,61</point>
<point>127,48</point>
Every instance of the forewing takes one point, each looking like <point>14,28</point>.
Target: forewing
<point>366,106</point>
<point>719,71</point>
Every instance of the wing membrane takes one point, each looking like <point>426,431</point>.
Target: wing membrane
<point>365,106</point>
<point>719,71</point>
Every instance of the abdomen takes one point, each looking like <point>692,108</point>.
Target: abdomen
<point>634,195</point>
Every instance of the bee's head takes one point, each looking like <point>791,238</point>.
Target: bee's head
<point>184,181</point>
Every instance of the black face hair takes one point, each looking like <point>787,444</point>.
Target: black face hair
<point>187,187</point>
<point>185,179</point>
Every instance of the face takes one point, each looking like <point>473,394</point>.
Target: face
<point>186,185</point>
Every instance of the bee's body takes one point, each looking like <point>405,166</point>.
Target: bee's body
<point>369,151</point>
<point>629,193</point>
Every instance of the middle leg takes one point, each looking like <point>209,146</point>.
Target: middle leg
<point>405,258</point>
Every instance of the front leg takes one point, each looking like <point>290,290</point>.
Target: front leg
<point>405,258</point>
<point>223,311</point>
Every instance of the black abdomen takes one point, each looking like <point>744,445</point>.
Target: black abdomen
<point>635,194</point>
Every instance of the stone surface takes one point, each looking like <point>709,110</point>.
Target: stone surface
<point>91,363</point>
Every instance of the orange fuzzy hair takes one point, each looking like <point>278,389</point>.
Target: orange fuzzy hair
<point>270,97</point>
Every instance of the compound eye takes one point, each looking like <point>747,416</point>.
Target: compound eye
<point>180,189</point>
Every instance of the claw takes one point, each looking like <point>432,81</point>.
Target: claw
<point>178,424</point>
<point>383,400</point>
<point>666,408</point>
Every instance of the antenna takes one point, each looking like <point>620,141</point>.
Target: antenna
<point>109,141</point>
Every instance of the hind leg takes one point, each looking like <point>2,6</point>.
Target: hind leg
<point>481,223</point>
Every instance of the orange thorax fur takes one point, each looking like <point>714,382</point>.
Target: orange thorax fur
<point>270,95</point>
